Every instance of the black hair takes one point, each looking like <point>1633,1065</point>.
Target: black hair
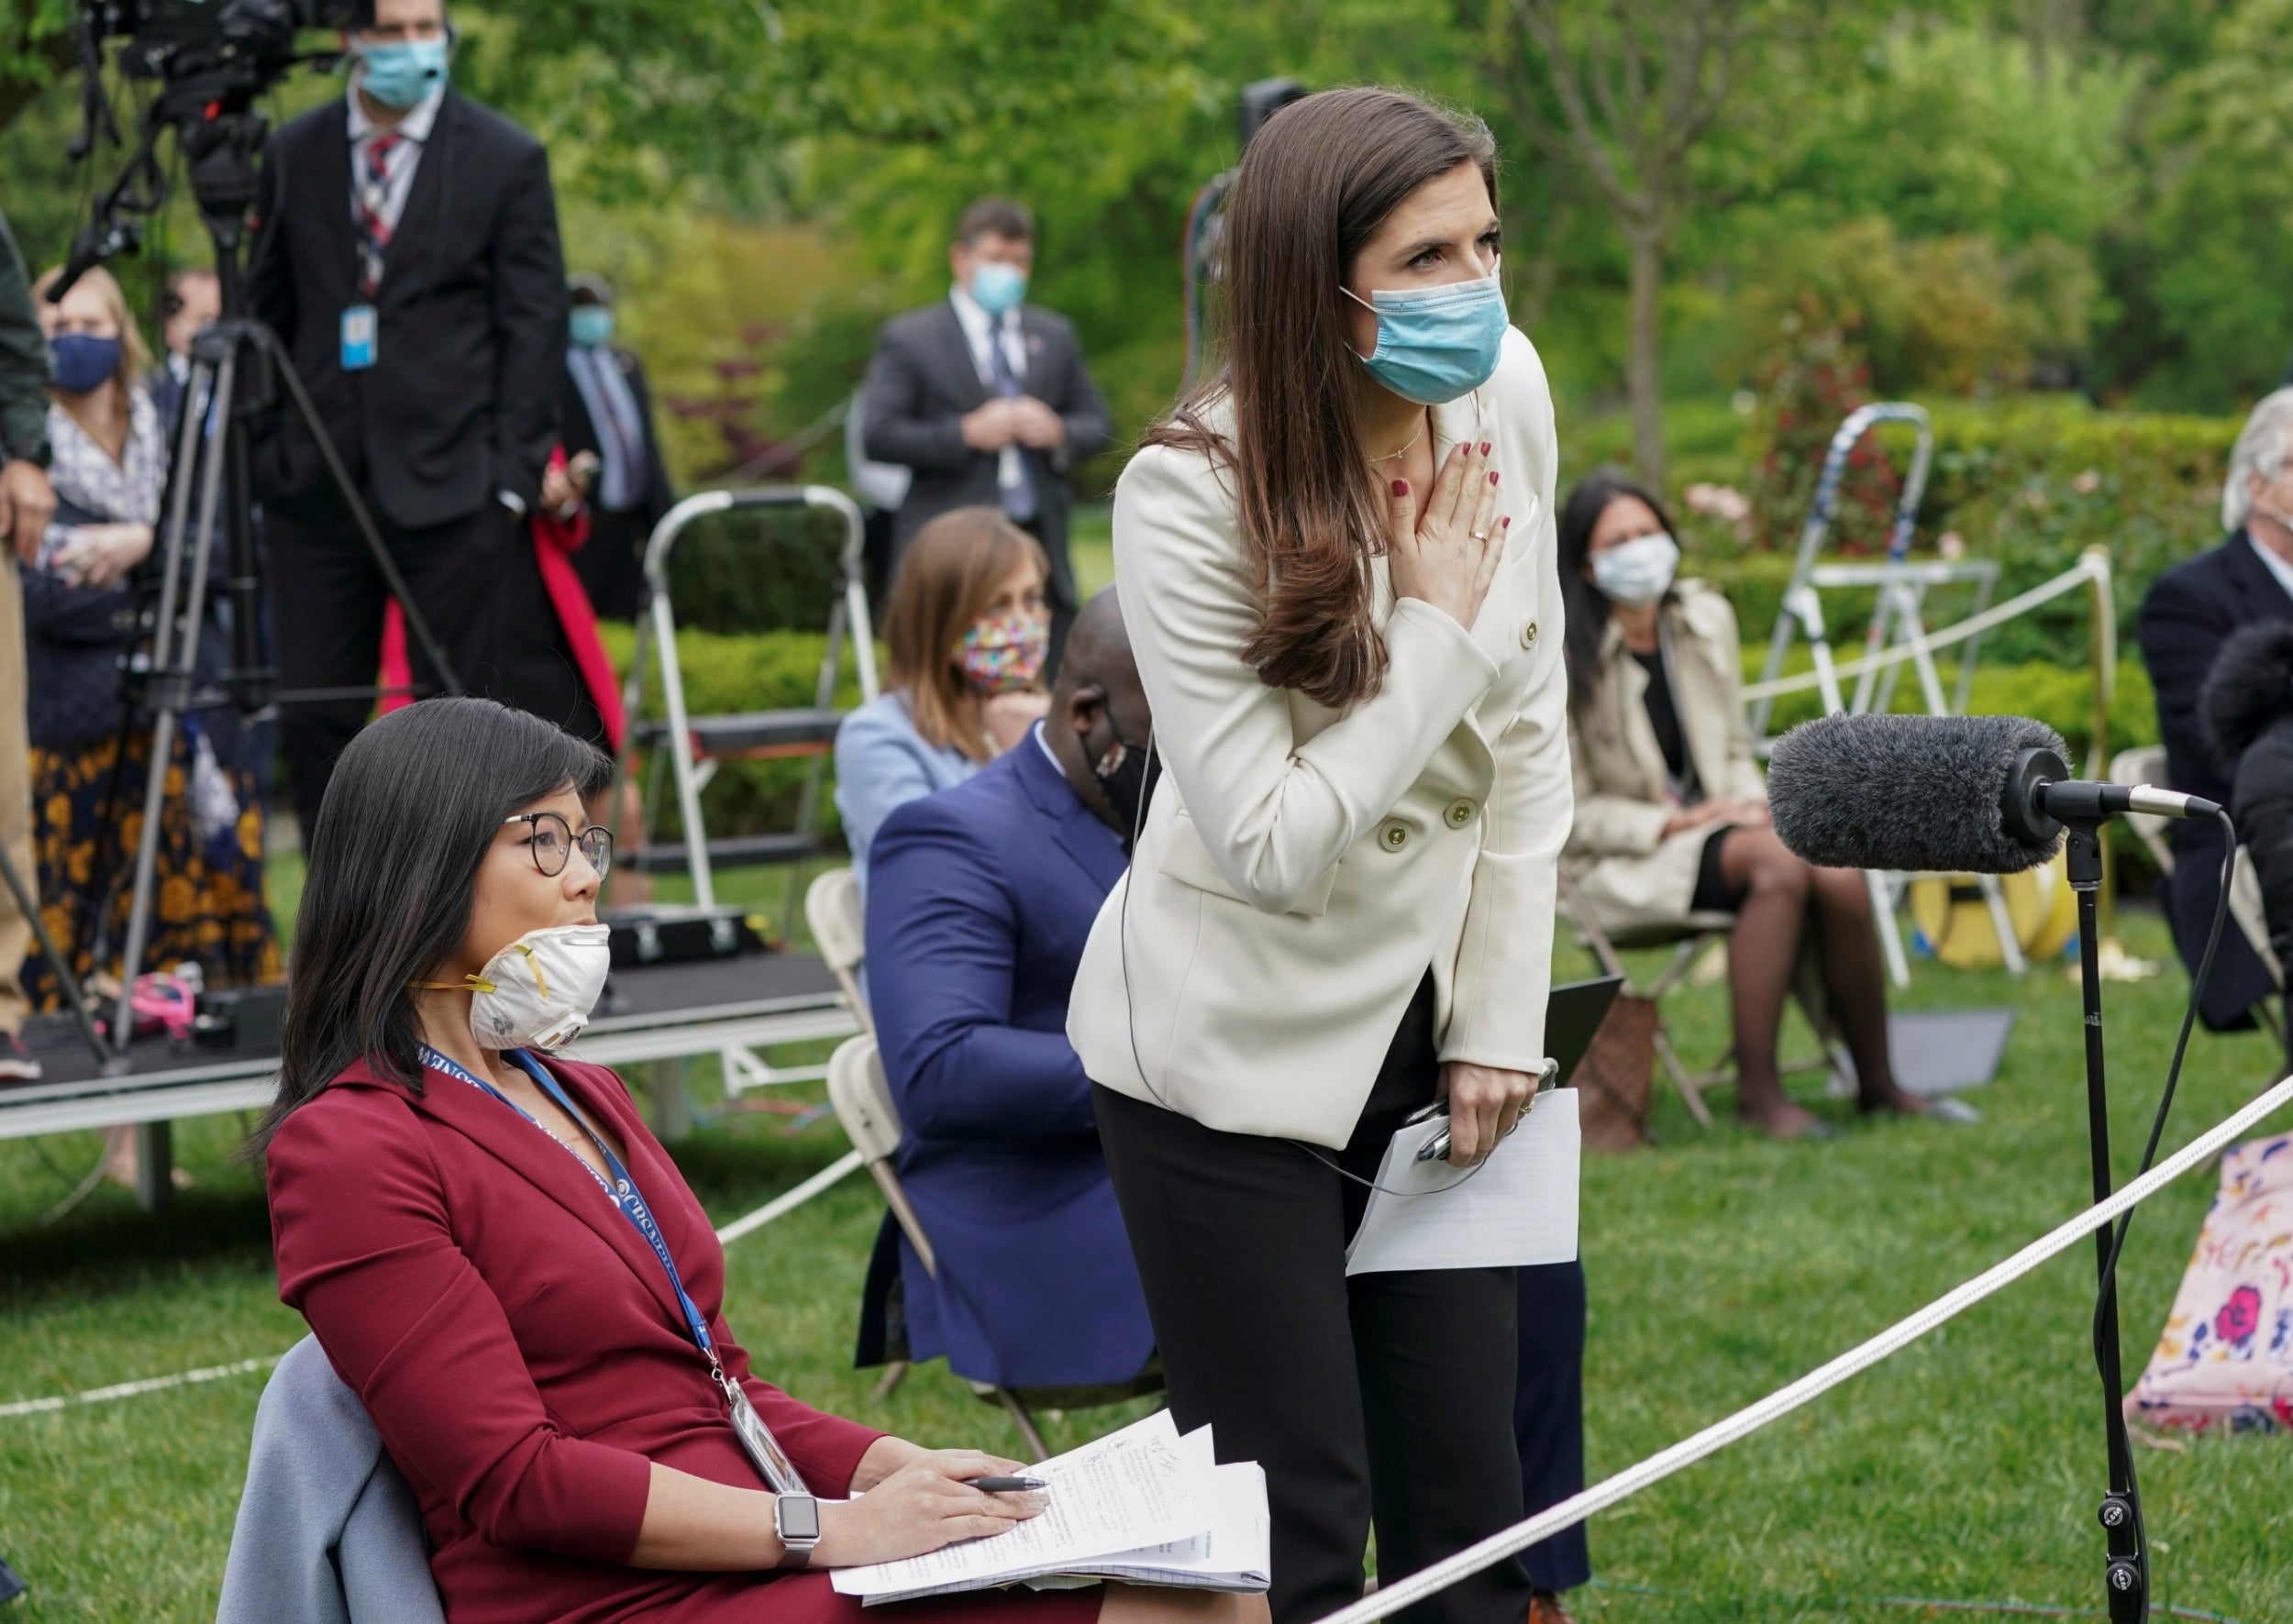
<point>413,808</point>
<point>995,217</point>
<point>1587,605</point>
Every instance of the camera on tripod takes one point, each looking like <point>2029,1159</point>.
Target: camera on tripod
<point>253,40</point>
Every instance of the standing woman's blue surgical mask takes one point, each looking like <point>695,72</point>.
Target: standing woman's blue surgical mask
<point>1436,344</point>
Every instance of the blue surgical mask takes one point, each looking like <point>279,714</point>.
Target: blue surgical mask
<point>400,73</point>
<point>591,325</point>
<point>998,287</point>
<point>84,363</point>
<point>1435,344</point>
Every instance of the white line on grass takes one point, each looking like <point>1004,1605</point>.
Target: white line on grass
<point>779,1207</point>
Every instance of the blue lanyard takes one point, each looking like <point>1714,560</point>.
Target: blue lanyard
<point>620,1186</point>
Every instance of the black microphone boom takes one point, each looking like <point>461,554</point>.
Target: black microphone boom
<point>1935,794</point>
<point>1942,794</point>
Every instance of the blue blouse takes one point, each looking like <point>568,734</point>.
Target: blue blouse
<point>882,762</point>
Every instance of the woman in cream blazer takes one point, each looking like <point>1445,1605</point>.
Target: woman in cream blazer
<point>1672,811</point>
<point>1340,906</point>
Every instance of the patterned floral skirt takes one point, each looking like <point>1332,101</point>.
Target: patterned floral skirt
<point>87,816</point>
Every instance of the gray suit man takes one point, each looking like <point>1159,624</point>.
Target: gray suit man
<point>986,400</point>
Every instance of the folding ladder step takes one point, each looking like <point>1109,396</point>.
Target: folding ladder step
<point>753,731</point>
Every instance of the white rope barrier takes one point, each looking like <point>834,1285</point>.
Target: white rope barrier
<point>2084,571</point>
<point>779,1207</point>
<point>1392,1598</point>
<point>155,1384</point>
<point>789,1200</point>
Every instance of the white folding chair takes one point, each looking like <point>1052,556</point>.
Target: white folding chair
<point>838,919</point>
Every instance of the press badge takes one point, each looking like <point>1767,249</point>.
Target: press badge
<point>360,331</point>
<point>763,1448</point>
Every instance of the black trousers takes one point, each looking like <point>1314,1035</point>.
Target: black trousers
<point>1385,1398</point>
<point>326,600</point>
<point>1549,1417</point>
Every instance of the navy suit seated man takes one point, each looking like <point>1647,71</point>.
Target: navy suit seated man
<point>2188,614</point>
<point>980,899</point>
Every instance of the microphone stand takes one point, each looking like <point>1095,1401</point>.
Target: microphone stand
<point>2126,1579</point>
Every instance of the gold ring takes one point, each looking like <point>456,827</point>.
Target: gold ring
<point>1479,534</point>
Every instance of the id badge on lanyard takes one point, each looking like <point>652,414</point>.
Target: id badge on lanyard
<point>361,337</point>
<point>764,1451</point>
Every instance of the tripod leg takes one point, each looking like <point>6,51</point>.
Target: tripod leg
<point>417,625</point>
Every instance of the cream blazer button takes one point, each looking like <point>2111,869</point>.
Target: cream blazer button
<point>1528,635</point>
<point>1394,835</point>
<point>1460,813</point>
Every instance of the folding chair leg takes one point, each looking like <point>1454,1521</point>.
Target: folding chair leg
<point>889,1383</point>
<point>1689,1091</point>
<point>1026,1423</point>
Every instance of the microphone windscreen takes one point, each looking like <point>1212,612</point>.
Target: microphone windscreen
<point>1915,793</point>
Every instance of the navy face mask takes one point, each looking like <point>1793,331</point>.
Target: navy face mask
<point>84,363</point>
<point>1435,344</point>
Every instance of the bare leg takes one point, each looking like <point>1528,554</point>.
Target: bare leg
<point>1762,950</point>
<point>1857,985</point>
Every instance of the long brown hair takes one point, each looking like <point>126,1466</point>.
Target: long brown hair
<point>1313,187</point>
<point>948,577</point>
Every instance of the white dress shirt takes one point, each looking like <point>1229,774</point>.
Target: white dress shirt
<point>980,330</point>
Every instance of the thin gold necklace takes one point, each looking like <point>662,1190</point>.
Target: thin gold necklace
<point>1422,418</point>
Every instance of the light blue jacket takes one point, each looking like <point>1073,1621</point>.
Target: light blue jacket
<point>882,762</point>
<point>328,1532</point>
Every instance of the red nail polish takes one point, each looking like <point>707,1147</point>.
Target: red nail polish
<point>1400,487</point>
<point>1505,523</point>
<point>1484,448</point>
<point>1492,476</point>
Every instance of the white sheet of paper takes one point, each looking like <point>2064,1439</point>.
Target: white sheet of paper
<point>1520,1208</point>
<point>1128,1490</point>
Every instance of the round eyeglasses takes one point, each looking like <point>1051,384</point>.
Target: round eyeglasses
<point>554,840</point>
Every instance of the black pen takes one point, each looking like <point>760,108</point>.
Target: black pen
<point>1004,1486</point>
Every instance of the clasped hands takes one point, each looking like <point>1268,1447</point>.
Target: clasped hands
<point>1025,421</point>
<point>1748,814</point>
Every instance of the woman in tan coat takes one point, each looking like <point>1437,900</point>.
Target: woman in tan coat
<point>1672,813</point>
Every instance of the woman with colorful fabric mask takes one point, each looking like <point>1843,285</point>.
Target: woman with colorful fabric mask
<point>508,1269</point>
<point>1672,811</point>
<point>89,751</point>
<point>966,632</point>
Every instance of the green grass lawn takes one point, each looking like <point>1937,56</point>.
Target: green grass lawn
<point>1720,1266</point>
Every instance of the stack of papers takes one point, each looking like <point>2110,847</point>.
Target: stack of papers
<point>1142,1505</point>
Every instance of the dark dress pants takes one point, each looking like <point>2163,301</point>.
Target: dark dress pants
<point>1549,1417</point>
<point>326,600</point>
<point>1385,1396</point>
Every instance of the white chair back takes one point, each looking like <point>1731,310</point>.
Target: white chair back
<point>862,1100</point>
<point>838,919</point>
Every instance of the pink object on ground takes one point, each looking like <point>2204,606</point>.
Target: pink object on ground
<point>2226,1357</point>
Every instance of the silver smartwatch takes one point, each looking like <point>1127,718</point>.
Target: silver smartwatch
<point>796,1519</point>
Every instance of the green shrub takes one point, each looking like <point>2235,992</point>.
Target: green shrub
<point>2060,696</point>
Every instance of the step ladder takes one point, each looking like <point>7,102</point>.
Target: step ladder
<point>697,745</point>
<point>1896,621</point>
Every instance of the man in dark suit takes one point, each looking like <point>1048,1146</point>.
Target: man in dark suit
<point>608,411</point>
<point>407,253</point>
<point>985,400</point>
<point>2189,611</point>
<point>979,902</point>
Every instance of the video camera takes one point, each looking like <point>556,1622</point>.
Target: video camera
<point>251,39</point>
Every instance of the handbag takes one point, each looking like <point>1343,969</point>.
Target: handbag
<point>1615,1078</point>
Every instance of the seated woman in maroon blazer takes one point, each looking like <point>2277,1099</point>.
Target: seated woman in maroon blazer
<point>504,1264</point>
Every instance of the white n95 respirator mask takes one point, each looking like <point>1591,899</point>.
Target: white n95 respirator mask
<point>537,993</point>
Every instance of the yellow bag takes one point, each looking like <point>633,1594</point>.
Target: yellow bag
<point>1954,921</point>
